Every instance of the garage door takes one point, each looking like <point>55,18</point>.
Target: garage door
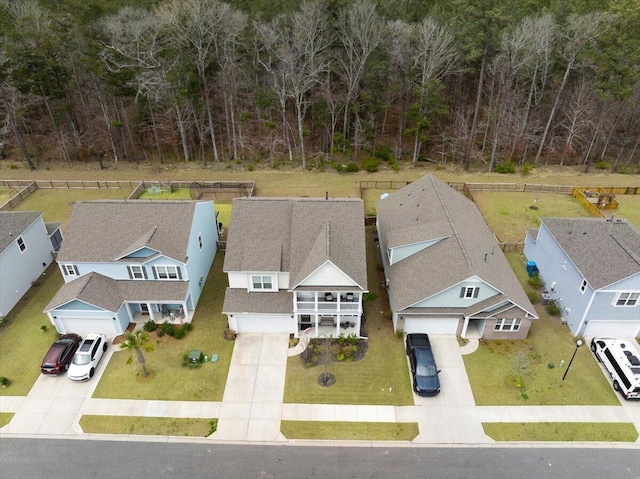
<point>263,324</point>
<point>84,326</point>
<point>616,329</point>
<point>431,325</point>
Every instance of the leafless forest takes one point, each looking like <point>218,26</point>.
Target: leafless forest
<point>488,83</point>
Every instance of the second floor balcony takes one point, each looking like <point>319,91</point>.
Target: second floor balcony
<point>324,301</point>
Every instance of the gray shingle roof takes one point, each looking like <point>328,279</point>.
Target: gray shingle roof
<point>603,251</point>
<point>430,209</point>
<point>102,231</point>
<point>108,293</point>
<point>297,235</point>
<point>239,301</point>
<point>13,224</point>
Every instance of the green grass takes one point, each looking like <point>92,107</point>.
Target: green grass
<point>494,368</point>
<point>177,194</point>
<point>168,379</point>
<point>224,213</point>
<point>22,343</point>
<point>562,431</point>
<point>380,378</point>
<point>5,418</point>
<point>155,426</point>
<point>57,204</point>
<point>628,207</point>
<point>363,431</point>
<point>509,214</point>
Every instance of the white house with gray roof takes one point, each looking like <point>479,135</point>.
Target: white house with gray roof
<point>27,248</point>
<point>591,268</point>
<point>133,261</point>
<point>296,265</point>
<point>445,273</point>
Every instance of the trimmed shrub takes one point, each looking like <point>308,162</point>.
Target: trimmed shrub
<point>150,326</point>
<point>168,328</point>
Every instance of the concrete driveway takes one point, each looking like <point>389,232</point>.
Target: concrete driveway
<point>451,416</point>
<point>53,403</point>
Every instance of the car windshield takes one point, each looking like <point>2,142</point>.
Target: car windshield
<point>426,371</point>
<point>81,359</point>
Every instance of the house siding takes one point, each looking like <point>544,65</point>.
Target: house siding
<point>18,270</point>
<point>450,298</point>
<point>200,260</point>
<point>401,252</point>
<point>490,333</point>
<point>326,276</point>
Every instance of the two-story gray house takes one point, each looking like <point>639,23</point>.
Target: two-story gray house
<point>591,268</point>
<point>445,272</point>
<point>133,261</point>
<point>27,248</point>
<point>294,265</point>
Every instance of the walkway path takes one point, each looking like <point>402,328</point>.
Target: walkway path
<point>252,407</point>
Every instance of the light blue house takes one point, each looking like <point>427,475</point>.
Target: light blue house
<point>27,248</point>
<point>445,273</point>
<point>133,261</point>
<point>591,268</point>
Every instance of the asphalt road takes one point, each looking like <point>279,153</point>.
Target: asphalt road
<point>62,458</point>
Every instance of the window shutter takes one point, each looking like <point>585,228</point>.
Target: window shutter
<point>144,272</point>
<point>64,270</point>
<point>179,272</point>
<point>475,292</point>
<point>129,271</point>
<point>75,268</point>
<point>155,274</point>
<point>462,291</point>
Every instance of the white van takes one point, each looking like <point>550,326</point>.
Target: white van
<point>622,362</point>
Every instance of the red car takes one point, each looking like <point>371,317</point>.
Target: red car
<point>60,354</point>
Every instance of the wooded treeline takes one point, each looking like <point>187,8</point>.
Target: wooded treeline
<point>466,81</point>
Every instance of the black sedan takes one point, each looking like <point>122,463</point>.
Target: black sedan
<point>60,354</point>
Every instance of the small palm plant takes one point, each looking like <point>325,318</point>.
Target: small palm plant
<point>134,343</point>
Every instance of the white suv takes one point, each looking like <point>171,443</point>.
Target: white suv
<point>87,357</point>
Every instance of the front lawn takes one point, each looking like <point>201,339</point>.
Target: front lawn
<point>380,378</point>
<point>168,378</point>
<point>154,426</point>
<point>510,214</point>
<point>23,341</point>
<point>528,372</point>
<point>350,431</point>
<point>561,431</point>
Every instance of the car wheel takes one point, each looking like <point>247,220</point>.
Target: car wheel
<point>66,367</point>
<point>104,348</point>
<point>616,386</point>
<point>91,373</point>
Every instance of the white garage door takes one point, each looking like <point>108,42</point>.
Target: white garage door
<point>616,329</point>
<point>263,324</point>
<point>431,325</point>
<point>83,326</point>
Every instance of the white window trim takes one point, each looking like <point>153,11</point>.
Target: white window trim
<point>583,286</point>
<point>134,273</point>
<point>635,300</point>
<point>470,289</point>
<point>69,269</point>
<point>274,287</point>
<point>511,328</point>
<point>22,247</point>
<point>166,269</point>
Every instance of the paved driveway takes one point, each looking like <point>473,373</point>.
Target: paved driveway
<point>451,416</point>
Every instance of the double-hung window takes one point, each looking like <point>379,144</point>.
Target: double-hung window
<point>167,272</point>
<point>507,324</point>
<point>136,272</point>
<point>583,286</point>
<point>627,299</point>
<point>261,282</point>
<point>21,244</point>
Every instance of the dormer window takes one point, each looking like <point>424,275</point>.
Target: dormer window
<point>261,282</point>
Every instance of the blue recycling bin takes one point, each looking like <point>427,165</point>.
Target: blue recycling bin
<point>532,269</point>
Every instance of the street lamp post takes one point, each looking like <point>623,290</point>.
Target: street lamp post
<point>578,344</point>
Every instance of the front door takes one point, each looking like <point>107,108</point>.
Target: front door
<point>144,308</point>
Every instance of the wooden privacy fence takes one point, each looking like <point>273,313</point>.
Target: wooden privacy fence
<point>23,192</point>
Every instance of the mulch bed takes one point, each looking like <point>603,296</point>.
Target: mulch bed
<point>316,352</point>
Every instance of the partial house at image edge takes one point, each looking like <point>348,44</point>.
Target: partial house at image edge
<point>28,246</point>
<point>445,272</point>
<point>295,265</point>
<point>591,268</point>
<point>133,261</point>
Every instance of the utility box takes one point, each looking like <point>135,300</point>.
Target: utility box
<point>196,356</point>
<point>546,298</point>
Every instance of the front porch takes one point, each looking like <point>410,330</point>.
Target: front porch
<point>323,326</point>
<point>174,313</point>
